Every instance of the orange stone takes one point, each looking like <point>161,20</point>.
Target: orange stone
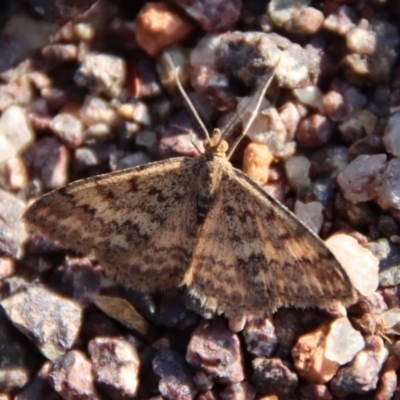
<point>158,25</point>
<point>256,161</point>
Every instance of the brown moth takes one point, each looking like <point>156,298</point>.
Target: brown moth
<point>198,223</point>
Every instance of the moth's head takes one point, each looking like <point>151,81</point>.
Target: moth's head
<point>216,144</point>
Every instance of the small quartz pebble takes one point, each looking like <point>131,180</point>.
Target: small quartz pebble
<point>51,321</point>
<point>256,161</point>
<point>305,22</point>
<point>290,117</point>
<point>176,380</point>
<point>341,21</point>
<point>158,25</point>
<point>260,338</point>
<point>208,13</point>
<point>391,319</point>
<point>49,161</point>
<point>389,195</point>
<point>7,267</point>
<point>314,131</point>
<point>16,132</point>
<point>372,47</point>
<point>281,13</point>
<point>12,228</point>
<point>272,376</point>
<point>359,263</point>
<point>297,172</point>
<point>68,128</point>
<point>362,374</point>
<point>309,96</point>
<point>391,139</point>
<point>71,377</point>
<point>103,73</point>
<point>115,364</point>
<point>97,110</point>
<point>13,174</point>
<point>343,341</point>
<point>216,350</point>
<point>363,178</point>
<point>309,354</point>
<point>334,106</point>
<point>310,214</point>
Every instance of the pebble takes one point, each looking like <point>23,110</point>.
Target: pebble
<point>362,374</point>
<point>297,172</point>
<point>363,178</point>
<point>287,326</point>
<point>333,105</point>
<point>388,380</point>
<point>48,161</point>
<point>290,118</point>
<point>176,382</point>
<point>158,26</point>
<point>391,138</point>
<point>51,321</point>
<point>7,267</point>
<point>309,96</point>
<point>311,214</point>
<point>96,110</point>
<point>256,161</point>
<point>214,86</point>
<point>272,376</point>
<point>259,336</point>
<point>216,350</point>
<point>389,195</point>
<point>68,128</point>
<point>208,13</point>
<point>371,45</point>
<point>313,131</point>
<point>103,73</point>
<point>282,13</point>
<point>341,20</point>
<point>12,228</point>
<point>389,263</point>
<point>16,133</point>
<point>18,357</point>
<point>305,21</point>
<point>310,359</point>
<point>115,364</point>
<point>343,341</point>
<point>359,263</point>
<point>71,377</point>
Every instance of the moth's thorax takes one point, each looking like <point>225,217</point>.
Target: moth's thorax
<point>211,166</point>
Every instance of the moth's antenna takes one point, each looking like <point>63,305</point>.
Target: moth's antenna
<point>185,96</point>
<point>254,113</point>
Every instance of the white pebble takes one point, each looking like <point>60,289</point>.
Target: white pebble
<point>360,264</point>
<point>343,341</point>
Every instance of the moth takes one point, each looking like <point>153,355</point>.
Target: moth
<point>198,223</point>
